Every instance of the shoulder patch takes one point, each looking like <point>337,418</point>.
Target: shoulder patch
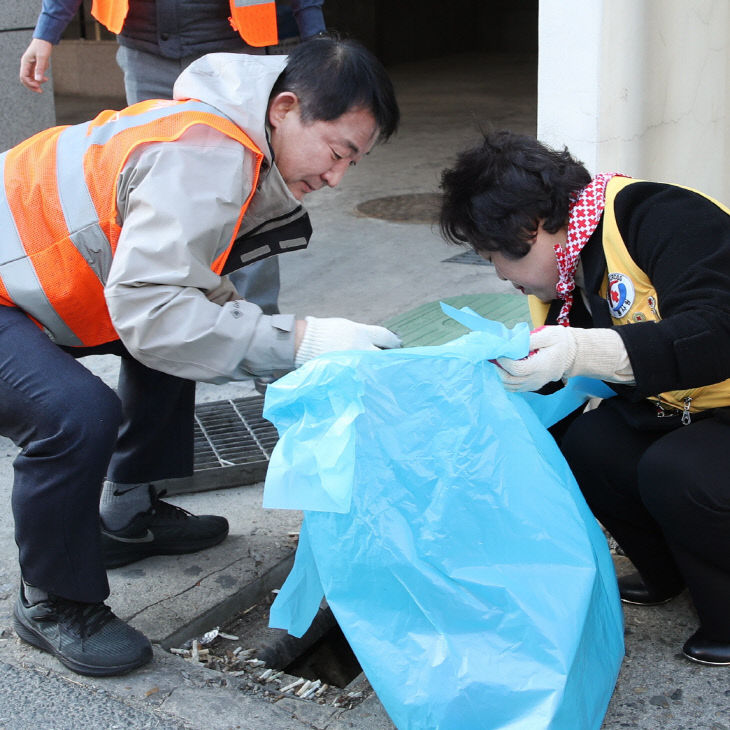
<point>620,294</point>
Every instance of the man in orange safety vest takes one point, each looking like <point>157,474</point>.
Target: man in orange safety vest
<point>117,236</point>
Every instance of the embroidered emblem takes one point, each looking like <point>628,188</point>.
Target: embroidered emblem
<point>620,295</point>
<point>639,317</point>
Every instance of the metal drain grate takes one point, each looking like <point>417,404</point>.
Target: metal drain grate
<point>232,433</point>
<point>468,257</point>
<point>233,444</point>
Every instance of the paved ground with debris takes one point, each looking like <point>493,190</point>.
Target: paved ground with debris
<point>369,269</point>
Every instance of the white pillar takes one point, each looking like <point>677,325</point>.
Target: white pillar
<point>639,86</point>
<point>568,74</point>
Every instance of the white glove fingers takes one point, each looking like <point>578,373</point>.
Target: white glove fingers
<point>383,338</point>
<point>513,367</point>
<point>552,351</point>
<point>545,337</point>
<point>336,334</point>
<point>514,384</point>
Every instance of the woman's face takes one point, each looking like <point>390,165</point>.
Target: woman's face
<point>535,273</point>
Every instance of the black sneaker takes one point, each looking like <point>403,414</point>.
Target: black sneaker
<point>87,637</point>
<point>162,530</point>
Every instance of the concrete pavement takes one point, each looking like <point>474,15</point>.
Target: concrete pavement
<point>370,270</point>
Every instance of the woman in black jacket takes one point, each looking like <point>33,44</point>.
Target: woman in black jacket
<point>629,282</point>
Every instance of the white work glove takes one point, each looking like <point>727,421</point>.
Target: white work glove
<point>334,334</point>
<point>558,352</point>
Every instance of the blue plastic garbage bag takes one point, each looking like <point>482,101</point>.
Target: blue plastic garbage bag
<point>448,536</point>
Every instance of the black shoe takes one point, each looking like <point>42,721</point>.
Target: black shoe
<point>87,637</point>
<point>700,649</point>
<point>162,530</point>
<point>632,589</point>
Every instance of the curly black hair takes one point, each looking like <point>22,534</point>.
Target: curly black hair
<point>501,190</point>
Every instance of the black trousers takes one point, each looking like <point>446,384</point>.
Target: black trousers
<point>73,430</point>
<point>665,498</point>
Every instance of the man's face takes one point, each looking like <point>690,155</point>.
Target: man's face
<point>535,273</point>
<point>314,154</point>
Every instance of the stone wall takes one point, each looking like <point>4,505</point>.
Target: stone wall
<point>22,112</point>
<point>72,60</point>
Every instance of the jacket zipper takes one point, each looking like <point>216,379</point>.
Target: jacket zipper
<point>664,410</point>
<point>686,417</point>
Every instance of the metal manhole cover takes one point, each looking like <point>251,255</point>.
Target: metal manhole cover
<point>412,208</point>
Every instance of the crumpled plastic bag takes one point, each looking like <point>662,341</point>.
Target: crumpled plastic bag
<point>447,534</point>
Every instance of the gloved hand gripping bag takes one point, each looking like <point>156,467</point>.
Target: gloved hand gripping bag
<point>448,536</point>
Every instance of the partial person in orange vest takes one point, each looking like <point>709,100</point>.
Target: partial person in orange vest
<point>169,35</point>
<point>157,41</point>
<point>628,282</point>
<point>116,237</point>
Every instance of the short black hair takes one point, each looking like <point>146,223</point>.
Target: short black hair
<point>501,190</point>
<point>332,76</point>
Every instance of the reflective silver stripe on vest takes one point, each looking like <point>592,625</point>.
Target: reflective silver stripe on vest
<point>103,133</point>
<point>247,3</point>
<point>19,277</point>
<point>17,272</point>
<point>77,206</point>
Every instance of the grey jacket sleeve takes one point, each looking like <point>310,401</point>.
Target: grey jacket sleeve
<point>178,205</point>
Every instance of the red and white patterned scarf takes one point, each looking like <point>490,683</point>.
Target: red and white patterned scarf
<point>586,208</point>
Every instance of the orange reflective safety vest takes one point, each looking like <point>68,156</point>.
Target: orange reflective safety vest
<point>254,20</point>
<point>110,13</point>
<point>58,214</point>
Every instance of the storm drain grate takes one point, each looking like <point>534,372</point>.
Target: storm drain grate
<point>468,257</point>
<point>233,445</point>
<point>232,433</point>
